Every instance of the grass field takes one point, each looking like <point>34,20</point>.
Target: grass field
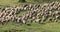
<point>33,27</point>
<point>15,2</point>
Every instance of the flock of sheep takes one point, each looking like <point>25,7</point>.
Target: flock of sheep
<point>37,13</point>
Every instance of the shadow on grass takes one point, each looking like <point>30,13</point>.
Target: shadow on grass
<point>13,30</point>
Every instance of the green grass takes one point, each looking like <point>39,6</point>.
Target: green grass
<point>35,27</point>
<point>8,2</point>
<point>15,2</point>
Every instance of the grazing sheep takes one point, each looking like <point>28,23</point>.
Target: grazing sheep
<point>58,8</point>
<point>19,20</point>
<point>35,14</point>
<point>44,18</point>
<point>50,19</point>
<point>51,4</point>
<point>7,8</point>
<point>56,3</point>
<point>30,6</point>
<point>46,4</point>
<point>24,22</point>
<point>38,21</point>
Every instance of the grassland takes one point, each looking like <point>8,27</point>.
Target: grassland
<point>33,27</point>
<point>15,2</point>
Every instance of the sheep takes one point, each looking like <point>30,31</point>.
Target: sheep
<point>44,18</point>
<point>32,9</point>
<point>7,19</point>
<point>13,18</point>
<point>58,8</point>
<point>50,13</point>
<point>50,8</point>
<point>7,8</point>
<point>19,20</point>
<point>36,12</point>
<point>39,6</point>
<point>25,8</point>
<point>30,6</point>
<point>50,19</point>
<point>30,16</point>
<point>39,15</point>
<point>51,4</point>
<point>33,18</point>
<point>38,21</point>
<point>21,8</point>
<point>24,22</point>
<point>57,16</point>
<point>56,3</point>
<point>3,9</point>
<point>1,14</point>
<point>18,8</point>
<point>36,7</point>
<point>3,21</point>
<point>25,5</point>
<point>53,14</point>
<point>7,11</point>
<point>59,5</point>
<point>54,19</point>
<point>46,4</point>
<point>27,15</point>
<point>55,7</point>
